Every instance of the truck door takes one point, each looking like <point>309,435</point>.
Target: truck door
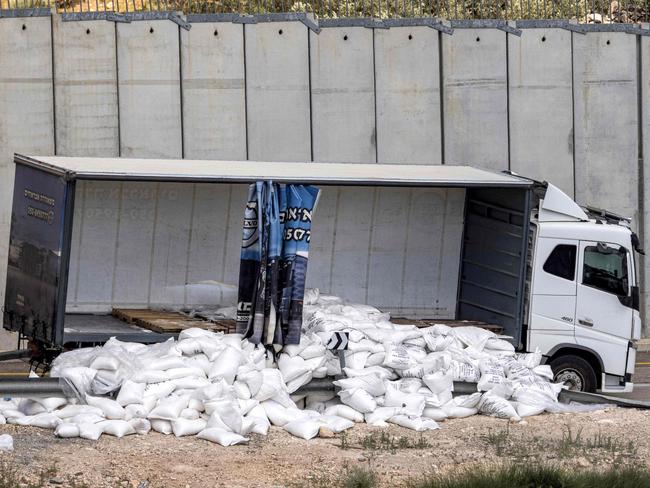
<point>554,292</point>
<point>603,321</point>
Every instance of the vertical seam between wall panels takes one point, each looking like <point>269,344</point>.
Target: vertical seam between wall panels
<point>117,94</point>
<point>117,240</point>
<point>374,92</point>
<point>311,104</point>
<point>243,26</point>
<point>189,245</point>
<point>573,116</point>
<point>337,208</point>
<point>53,71</point>
<point>406,247</point>
<point>508,101</point>
<point>640,170</point>
<point>82,203</point>
<point>373,214</point>
<point>153,242</point>
<point>442,99</point>
<point>180,87</point>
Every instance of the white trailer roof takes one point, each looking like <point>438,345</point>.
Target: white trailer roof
<point>248,171</point>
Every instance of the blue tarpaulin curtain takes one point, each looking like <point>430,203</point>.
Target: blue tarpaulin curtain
<point>274,256</point>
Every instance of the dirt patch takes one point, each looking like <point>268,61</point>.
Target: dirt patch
<point>591,440</point>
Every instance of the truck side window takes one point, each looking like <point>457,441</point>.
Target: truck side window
<point>562,262</point>
<point>605,268</point>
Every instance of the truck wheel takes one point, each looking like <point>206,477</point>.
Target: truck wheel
<point>575,372</point>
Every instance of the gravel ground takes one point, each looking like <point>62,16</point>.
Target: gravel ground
<point>598,439</point>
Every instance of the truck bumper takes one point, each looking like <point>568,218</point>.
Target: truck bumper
<point>616,384</point>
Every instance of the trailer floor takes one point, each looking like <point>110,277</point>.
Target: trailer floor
<point>99,328</point>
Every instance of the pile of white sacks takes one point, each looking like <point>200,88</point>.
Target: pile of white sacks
<point>222,388</point>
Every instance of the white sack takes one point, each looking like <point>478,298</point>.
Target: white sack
<point>305,429</point>
<point>418,424</point>
<point>182,427</point>
<point>66,430</point>
<point>345,412</point>
<point>130,392</point>
<point>222,437</point>
<point>117,428</point>
<point>111,409</point>
<point>162,426</point>
<point>358,399</point>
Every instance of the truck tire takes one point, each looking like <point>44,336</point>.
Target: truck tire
<point>575,372</point>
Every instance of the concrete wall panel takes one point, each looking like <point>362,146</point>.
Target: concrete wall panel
<point>541,106</point>
<point>343,100</point>
<point>149,89</point>
<point>85,78</point>
<point>408,95</point>
<point>277,84</point>
<point>475,98</point>
<point>606,132</point>
<point>214,104</point>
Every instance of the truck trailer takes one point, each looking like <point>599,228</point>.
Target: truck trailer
<point>423,242</point>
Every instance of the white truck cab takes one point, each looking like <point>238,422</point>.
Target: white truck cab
<point>584,303</point>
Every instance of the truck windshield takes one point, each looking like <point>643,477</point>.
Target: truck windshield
<point>605,268</point>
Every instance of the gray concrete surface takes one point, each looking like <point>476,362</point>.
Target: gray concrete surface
<point>214,98</point>
<point>277,91</point>
<point>475,89</point>
<point>606,130</point>
<point>541,106</point>
<point>343,95</point>
<point>150,92</point>
<point>408,95</point>
<point>85,81</point>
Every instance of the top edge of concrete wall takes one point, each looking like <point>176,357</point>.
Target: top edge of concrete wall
<point>447,26</point>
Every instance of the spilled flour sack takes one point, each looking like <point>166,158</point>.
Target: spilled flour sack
<point>222,388</point>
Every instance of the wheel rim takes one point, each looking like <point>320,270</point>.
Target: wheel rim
<point>571,378</point>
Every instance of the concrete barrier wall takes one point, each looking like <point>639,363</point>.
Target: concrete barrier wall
<point>148,61</point>
<point>475,89</point>
<point>541,106</point>
<point>85,81</point>
<point>547,108</point>
<point>408,95</point>
<point>343,95</point>
<point>214,91</point>
<point>606,120</point>
<point>277,88</point>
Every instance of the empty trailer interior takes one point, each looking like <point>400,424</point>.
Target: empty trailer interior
<point>146,244</point>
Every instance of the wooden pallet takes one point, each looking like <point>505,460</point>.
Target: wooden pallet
<point>497,329</point>
<point>170,322</point>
